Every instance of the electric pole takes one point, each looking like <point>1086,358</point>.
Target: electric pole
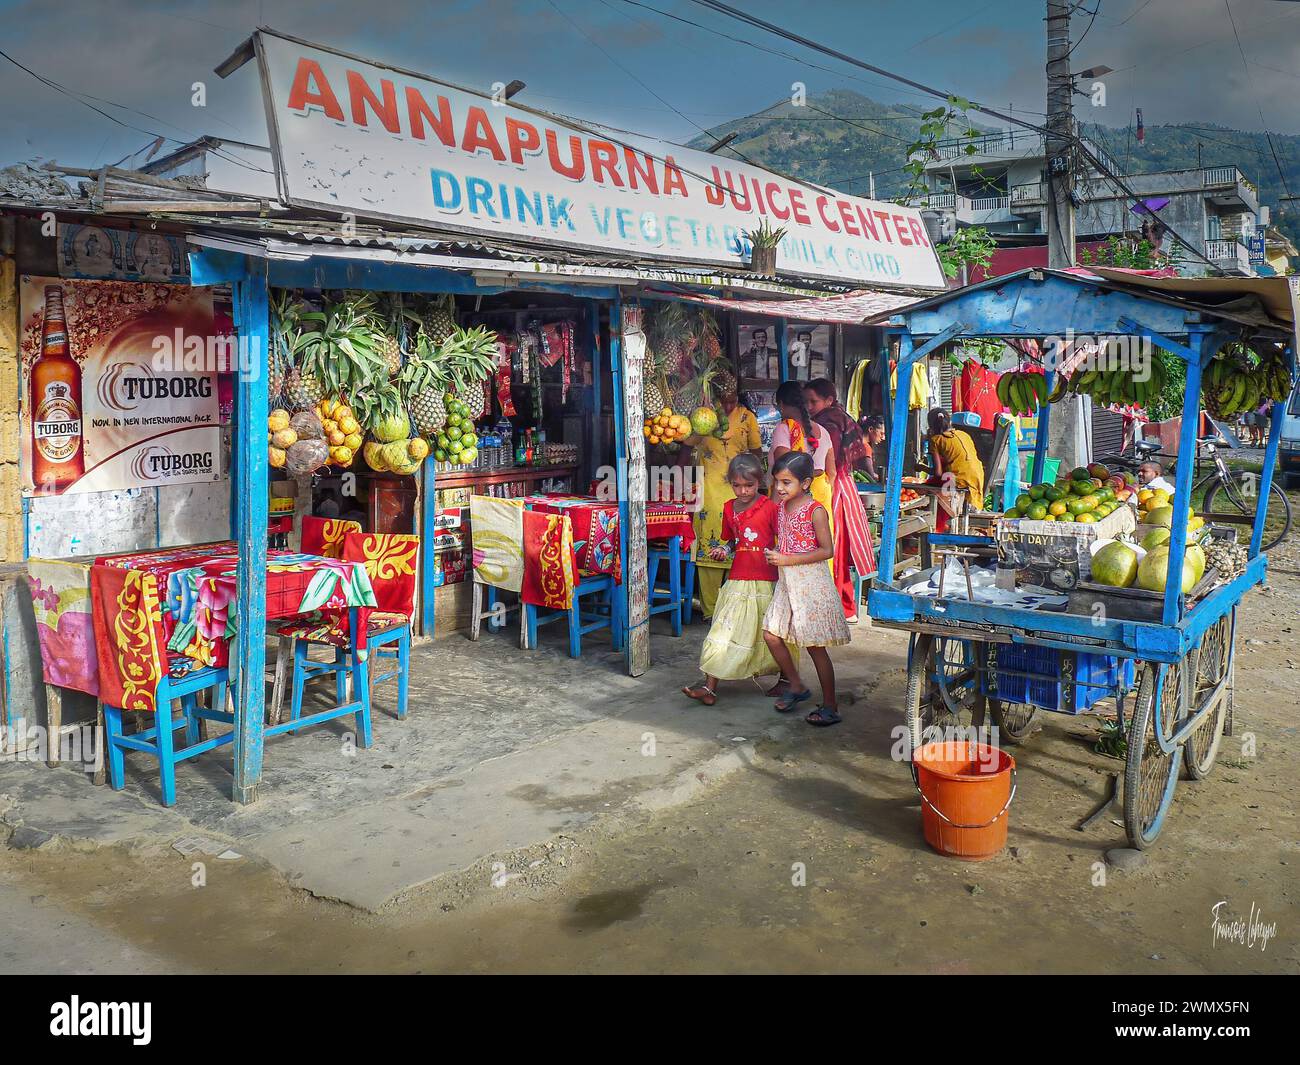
<point>1067,437</point>
<point>1060,126</point>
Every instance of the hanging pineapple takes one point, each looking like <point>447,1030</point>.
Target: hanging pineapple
<point>706,331</point>
<point>423,382</point>
<point>469,356</point>
<point>439,319</point>
<point>337,354</point>
<point>671,328</point>
<point>652,394</point>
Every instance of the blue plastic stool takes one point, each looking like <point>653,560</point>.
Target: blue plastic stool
<point>605,611</point>
<point>160,741</point>
<point>676,599</point>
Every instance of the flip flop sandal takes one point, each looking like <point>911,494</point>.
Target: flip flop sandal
<point>790,700</point>
<point>704,695</point>
<point>823,717</point>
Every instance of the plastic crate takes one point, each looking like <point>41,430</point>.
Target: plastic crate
<point>1095,677</point>
<point>1050,466</point>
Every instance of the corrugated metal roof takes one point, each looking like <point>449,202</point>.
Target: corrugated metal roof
<point>849,308</point>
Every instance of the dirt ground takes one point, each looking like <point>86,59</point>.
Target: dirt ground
<point>715,884</point>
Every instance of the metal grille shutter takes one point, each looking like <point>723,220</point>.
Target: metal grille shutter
<point>1107,432</point>
<point>947,372</point>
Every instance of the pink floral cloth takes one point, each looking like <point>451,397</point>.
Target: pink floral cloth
<point>65,627</point>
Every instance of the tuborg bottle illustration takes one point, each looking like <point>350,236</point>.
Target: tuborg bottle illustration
<point>57,456</point>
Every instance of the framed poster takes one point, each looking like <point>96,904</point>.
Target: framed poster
<point>119,386</point>
<point>760,358</point>
<point>809,351</point>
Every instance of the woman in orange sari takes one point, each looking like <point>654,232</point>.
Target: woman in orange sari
<point>798,432</point>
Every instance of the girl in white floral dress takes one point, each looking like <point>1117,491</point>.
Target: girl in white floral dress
<point>805,609</point>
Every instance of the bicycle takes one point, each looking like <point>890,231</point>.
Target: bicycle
<point>1236,490</point>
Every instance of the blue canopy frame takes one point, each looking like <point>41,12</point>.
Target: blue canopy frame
<point>1034,304</point>
<point>251,278</point>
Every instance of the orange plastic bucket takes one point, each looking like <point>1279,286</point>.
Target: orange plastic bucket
<point>966,792</point>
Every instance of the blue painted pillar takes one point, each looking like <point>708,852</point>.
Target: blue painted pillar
<point>1266,474</point>
<point>249,458</point>
<point>897,419</point>
<point>783,347</point>
<point>1173,607</point>
<point>1044,423</point>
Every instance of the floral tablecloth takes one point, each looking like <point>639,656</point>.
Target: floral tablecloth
<point>165,612</point>
<point>65,628</point>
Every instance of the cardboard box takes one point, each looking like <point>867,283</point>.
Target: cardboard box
<point>1054,554</point>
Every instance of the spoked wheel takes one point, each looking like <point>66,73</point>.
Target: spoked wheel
<point>1213,660</point>
<point>1015,721</point>
<point>1240,496</point>
<point>1150,775</point>
<point>943,689</point>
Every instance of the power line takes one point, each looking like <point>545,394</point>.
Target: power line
<point>1250,80</point>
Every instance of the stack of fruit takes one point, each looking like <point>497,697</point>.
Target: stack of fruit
<point>1021,392</point>
<point>1228,557</point>
<point>456,442</point>
<point>342,430</point>
<point>1124,387</point>
<point>1117,565</point>
<point>1086,496</point>
<point>1232,385</point>
<point>666,427</point>
<point>908,496</point>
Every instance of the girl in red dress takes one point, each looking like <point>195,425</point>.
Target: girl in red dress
<point>734,648</point>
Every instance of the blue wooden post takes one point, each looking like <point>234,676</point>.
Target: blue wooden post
<point>1266,474</point>
<point>1193,355</point>
<point>248,652</point>
<point>620,453</point>
<point>1040,442</point>
<point>894,474</point>
<point>783,347</point>
<point>428,560</point>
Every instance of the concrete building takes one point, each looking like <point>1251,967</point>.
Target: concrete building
<point>1003,186</point>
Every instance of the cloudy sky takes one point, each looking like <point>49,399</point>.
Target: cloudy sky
<point>625,63</point>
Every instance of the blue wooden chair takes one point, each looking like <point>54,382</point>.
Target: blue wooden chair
<point>597,604</point>
<point>389,559</point>
<point>603,610</point>
<point>675,598</point>
<point>159,740</point>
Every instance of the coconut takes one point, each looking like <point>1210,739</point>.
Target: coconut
<point>306,456</point>
<point>306,425</point>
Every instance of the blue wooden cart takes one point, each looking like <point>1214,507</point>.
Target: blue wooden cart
<point>968,660</point>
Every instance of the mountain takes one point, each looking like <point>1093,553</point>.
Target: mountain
<point>840,137</point>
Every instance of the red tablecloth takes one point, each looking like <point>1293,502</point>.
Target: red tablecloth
<point>664,520</point>
<point>595,526</point>
<point>165,612</point>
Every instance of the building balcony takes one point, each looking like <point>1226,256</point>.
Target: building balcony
<point>1226,186</point>
<point>986,210</point>
<point>1229,256</point>
<point>1032,194</point>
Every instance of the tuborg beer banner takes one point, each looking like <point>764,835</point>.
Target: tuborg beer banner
<point>119,386</point>
<point>353,136</point>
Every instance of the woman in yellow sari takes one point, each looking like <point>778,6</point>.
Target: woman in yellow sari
<point>798,432</point>
<point>714,455</point>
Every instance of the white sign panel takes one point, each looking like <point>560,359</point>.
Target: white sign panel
<point>352,136</point>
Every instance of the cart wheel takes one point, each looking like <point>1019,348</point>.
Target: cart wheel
<point>942,687</point>
<point>1150,775</point>
<point>1212,659</point>
<point>1015,721</point>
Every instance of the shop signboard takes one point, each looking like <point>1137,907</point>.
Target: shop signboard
<point>369,141</point>
<point>119,386</point>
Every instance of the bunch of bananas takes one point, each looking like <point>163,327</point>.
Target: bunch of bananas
<point>1121,387</point>
<point>1230,388</point>
<point>1022,393</point>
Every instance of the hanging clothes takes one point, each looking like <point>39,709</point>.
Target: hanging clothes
<point>975,389</point>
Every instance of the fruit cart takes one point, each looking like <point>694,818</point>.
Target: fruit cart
<point>1173,657</point>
